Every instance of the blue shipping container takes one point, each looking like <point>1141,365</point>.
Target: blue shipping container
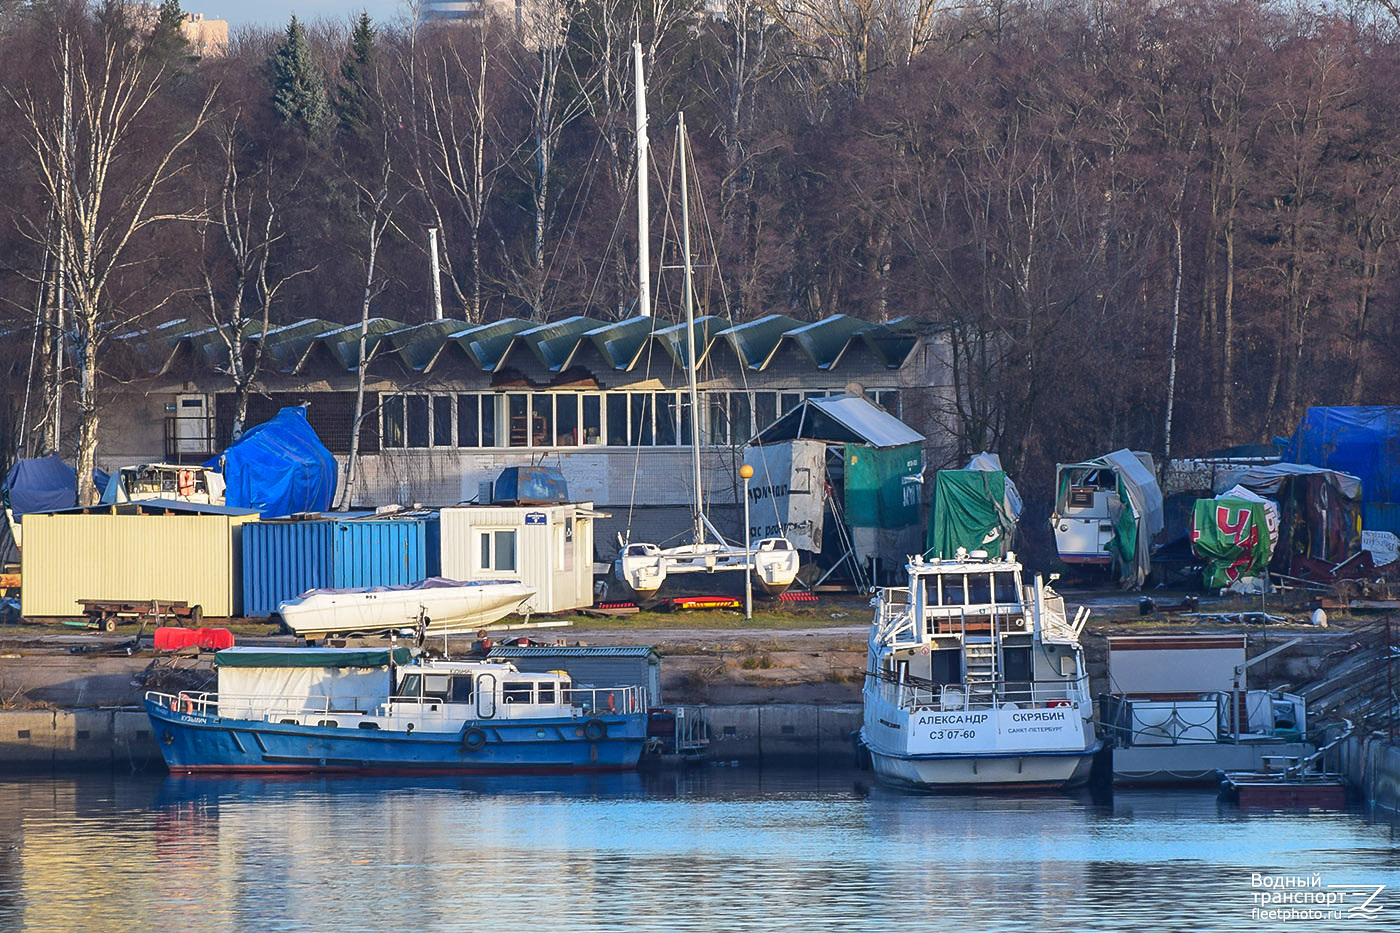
<point>285,559</point>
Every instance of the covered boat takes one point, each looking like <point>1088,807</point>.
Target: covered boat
<point>976,681</point>
<point>442,606</point>
<point>1109,511</point>
<point>326,709</point>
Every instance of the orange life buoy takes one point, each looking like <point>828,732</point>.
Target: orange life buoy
<point>189,705</point>
<point>185,483</point>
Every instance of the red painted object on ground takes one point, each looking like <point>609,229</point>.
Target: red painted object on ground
<point>171,638</point>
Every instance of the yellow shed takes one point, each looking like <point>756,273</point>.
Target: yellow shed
<point>134,551</point>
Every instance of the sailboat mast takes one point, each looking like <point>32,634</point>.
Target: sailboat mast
<point>643,195</point>
<point>690,335</point>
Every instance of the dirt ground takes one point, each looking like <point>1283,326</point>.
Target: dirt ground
<point>808,653</point>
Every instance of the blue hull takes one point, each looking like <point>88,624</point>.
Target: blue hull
<point>192,742</point>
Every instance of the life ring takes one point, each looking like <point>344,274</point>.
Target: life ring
<point>189,705</point>
<point>184,483</point>
<point>595,730</point>
<point>474,739</point>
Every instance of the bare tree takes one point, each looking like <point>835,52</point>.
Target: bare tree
<point>102,159</point>
<point>244,228</point>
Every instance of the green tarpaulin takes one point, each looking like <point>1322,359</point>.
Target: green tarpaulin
<point>969,512</point>
<point>882,489</point>
<point>309,657</point>
<point>1232,535</point>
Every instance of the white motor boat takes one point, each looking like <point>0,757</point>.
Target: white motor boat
<point>442,606</point>
<point>976,681</point>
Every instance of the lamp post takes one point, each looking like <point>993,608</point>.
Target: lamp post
<point>746,472</point>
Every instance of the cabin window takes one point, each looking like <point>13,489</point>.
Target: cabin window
<point>462,688</point>
<point>411,686</point>
<point>468,420</point>
<point>436,686</point>
<point>666,435</point>
<point>1004,584</point>
<point>518,418</point>
<point>566,420</point>
<point>392,430</point>
<point>954,589</point>
<point>765,409</point>
<point>517,691</point>
<point>498,550</point>
<point>542,421</point>
<point>617,419</point>
<point>979,589</point>
<point>442,420</point>
<point>546,692</point>
<point>593,419</point>
<point>417,406</point>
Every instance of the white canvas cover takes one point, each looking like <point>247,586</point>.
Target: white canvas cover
<point>1270,479</point>
<point>254,692</point>
<point>1145,497</point>
<point>787,495</point>
<point>991,463</point>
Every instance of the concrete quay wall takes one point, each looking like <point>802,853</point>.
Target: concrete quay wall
<point>122,739</point>
<point>1373,766</point>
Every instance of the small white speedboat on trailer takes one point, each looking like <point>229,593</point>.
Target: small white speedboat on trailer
<point>442,606</point>
<point>976,681</point>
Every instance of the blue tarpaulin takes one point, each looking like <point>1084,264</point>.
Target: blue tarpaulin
<point>1363,441</point>
<point>531,485</point>
<point>41,484</point>
<point>279,468</point>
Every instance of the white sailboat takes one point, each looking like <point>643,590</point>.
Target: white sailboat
<point>771,564</point>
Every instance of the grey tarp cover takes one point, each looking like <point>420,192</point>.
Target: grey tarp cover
<point>840,419</point>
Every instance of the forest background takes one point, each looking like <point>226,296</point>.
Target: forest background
<point>1164,226</point>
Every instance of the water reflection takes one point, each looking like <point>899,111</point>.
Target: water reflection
<point>713,848</point>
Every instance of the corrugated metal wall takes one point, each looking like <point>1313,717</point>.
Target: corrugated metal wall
<point>285,559</point>
<point>560,571</point>
<point>195,558</point>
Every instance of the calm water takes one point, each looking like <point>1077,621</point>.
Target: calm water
<point>714,849</point>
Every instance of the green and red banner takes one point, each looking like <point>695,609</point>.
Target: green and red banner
<point>1232,535</point>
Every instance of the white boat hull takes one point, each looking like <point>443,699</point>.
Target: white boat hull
<point>644,568</point>
<point>972,772</point>
<point>449,610</point>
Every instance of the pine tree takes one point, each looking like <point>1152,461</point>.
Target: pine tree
<point>353,96</point>
<point>168,37</point>
<point>298,92</point>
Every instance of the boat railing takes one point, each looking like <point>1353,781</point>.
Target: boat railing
<point>993,694</point>
<point>584,701</point>
<point>236,706</point>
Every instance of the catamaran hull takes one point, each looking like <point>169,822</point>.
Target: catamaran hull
<point>1030,771</point>
<point>195,743</point>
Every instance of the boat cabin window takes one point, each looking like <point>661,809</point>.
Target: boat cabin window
<point>411,686</point>
<point>462,688</point>
<point>436,686</point>
<point>954,588</point>
<point>517,691</point>
<point>979,589</point>
<point>546,692</point>
<point>1004,587</point>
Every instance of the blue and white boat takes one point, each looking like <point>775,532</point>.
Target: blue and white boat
<point>976,681</point>
<point>347,709</point>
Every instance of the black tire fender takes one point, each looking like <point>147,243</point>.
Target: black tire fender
<point>474,739</point>
<point>595,730</point>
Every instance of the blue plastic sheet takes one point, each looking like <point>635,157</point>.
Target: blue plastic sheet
<point>279,468</point>
<point>41,484</point>
<point>531,485</point>
<point>1363,441</point>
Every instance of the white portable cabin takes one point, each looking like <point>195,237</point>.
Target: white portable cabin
<point>549,547</point>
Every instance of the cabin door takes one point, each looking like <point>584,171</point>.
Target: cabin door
<point>486,696</point>
<point>192,434</point>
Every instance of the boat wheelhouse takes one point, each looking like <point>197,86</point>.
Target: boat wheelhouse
<point>330,709</point>
<point>976,680</point>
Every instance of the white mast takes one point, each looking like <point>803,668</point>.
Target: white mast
<point>437,275</point>
<point>643,196</point>
<point>690,335</point>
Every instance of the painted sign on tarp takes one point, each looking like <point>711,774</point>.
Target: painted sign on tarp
<point>787,494</point>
